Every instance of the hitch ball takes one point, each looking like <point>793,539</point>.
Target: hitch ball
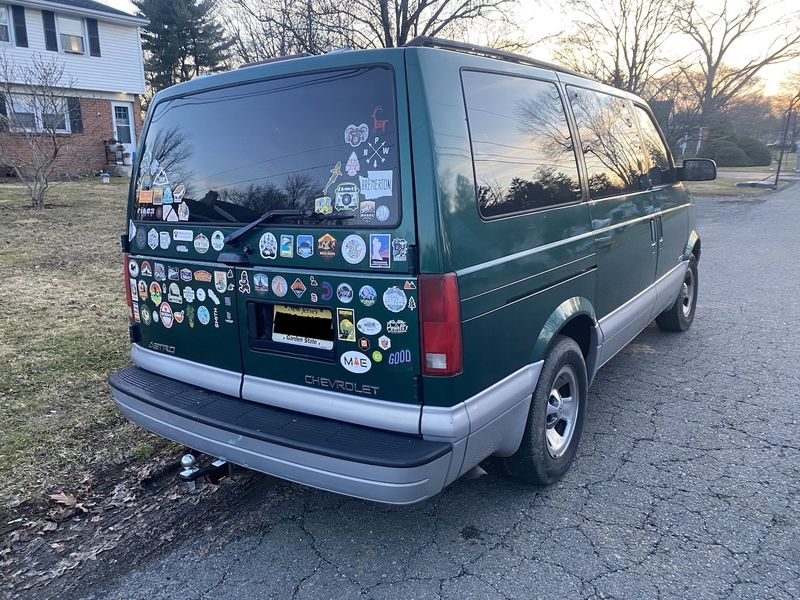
<point>188,461</point>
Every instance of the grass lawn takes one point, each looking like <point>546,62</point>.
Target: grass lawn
<point>63,328</point>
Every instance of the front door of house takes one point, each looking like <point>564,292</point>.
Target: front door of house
<point>122,115</point>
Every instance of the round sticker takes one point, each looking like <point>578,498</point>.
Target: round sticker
<point>155,316</point>
<point>201,243</point>
<point>217,240</point>
<point>394,299</point>
<point>354,249</point>
<point>326,291</point>
<point>133,268</point>
<point>382,213</point>
<point>344,293</point>
<point>166,315</point>
<point>203,316</point>
<point>369,326</point>
<point>377,356</point>
<point>268,246</point>
<point>279,286</point>
<point>145,313</point>
<point>367,295</point>
<point>355,362</point>
<point>155,293</point>
<point>201,295</point>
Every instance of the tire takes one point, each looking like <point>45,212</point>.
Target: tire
<point>680,315</point>
<point>539,459</point>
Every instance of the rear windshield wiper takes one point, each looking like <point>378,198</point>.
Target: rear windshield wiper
<point>231,238</point>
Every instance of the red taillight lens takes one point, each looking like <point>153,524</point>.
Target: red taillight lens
<point>440,324</point>
<point>126,277</point>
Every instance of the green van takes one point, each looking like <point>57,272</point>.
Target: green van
<point>370,271</point>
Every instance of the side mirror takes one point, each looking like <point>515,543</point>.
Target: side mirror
<point>697,169</point>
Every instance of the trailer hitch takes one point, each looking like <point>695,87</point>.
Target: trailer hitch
<point>191,473</point>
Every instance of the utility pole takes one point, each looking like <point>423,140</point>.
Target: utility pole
<point>784,138</point>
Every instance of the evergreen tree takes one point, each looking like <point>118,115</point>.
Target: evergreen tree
<point>182,40</point>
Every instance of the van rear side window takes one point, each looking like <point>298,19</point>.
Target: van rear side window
<point>521,146</point>
<point>324,142</point>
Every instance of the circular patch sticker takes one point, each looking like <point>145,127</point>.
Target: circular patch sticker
<point>133,268</point>
<point>217,240</point>
<point>166,315</point>
<point>155,293</point>
<point>145,314</point>
<point>279,286</point>
<point>203,316</point>
<point>382,213</point>
<point>344,293</point>
<point>367,295</point>
<point>201,243</point>
<point>394,299</point>
<point>268,246</point>
<point>369,326</point>
<point>377,356</point>
<point>354,249</point>
<point>201,295</point>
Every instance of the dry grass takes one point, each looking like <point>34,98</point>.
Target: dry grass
<point>63,328</point>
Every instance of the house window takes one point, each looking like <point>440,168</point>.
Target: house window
<point>5,30</point>
<point>26,113</point>
<point>70,33</point>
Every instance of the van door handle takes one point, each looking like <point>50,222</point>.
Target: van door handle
<point>660,232</point>
<point>653,235</point>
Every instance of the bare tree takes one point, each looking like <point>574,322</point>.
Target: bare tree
<point>33,121</point>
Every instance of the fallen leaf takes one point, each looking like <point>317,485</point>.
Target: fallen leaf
<point>65,499</point>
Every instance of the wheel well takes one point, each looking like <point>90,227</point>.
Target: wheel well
<point>580,329</point>
<point>696,250</point>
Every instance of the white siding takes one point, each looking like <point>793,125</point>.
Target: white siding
<point>118,69</point>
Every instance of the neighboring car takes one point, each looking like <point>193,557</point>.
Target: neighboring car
<point>369,271</point>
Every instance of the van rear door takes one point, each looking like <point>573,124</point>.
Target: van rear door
<point>323,288</point>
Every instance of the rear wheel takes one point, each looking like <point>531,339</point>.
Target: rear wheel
<point>555,419</point>
<point>680,315</point>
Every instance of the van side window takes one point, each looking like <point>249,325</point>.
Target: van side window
<point>521,146</point>
<point>660,167</point>
<point>612,148</point>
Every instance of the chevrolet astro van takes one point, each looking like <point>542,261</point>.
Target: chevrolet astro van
<point>370,271</point>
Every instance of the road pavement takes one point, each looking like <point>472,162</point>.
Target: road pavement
<point>685,486</point>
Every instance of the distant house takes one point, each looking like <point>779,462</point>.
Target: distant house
<point>102,56</point>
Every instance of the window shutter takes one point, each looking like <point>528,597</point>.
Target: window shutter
<point>50,39</point>
<point>75,117</point>
<point>3,113</point>
<point>20,30</point>
<point>94,37</point>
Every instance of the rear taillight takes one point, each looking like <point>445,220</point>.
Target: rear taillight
<point>440,324</point>
<point>126,277</point>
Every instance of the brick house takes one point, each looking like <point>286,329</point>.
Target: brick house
<point>100,49</point>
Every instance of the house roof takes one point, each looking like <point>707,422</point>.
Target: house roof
<point>87,7</point>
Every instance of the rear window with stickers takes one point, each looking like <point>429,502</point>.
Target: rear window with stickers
<point>325,143</point>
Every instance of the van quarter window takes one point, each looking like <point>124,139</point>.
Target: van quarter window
<point>521,145</point>
<point>317,142</point>
<point>660,167</point>
<point>611,145</point>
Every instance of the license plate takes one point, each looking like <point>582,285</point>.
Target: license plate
<point>303,326</point>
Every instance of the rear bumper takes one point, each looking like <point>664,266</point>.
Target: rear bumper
<point>332,455</point>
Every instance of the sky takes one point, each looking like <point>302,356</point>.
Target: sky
<point>543,18</point>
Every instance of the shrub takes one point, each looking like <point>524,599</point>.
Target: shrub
<point>757,152</point>
<point>725,153</point>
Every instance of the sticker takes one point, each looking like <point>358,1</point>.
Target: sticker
<point>154,315</point>
<point>152,239</point>
<point>178,316</point>
<point>298,287</point>
<point>220,281</point>
<point>142,290</point>
<point>202,276</point>
<point>244,283</point>
<point>326,246</point>
<point>186,274</point>
<point>326,292</point>
<point>153,166</point>
<point>214,297</point>
<point>172,273</point>
<point>155,293</point>
<point>378,125</point>
<point>400,357</point>
<point>183,211</point>
<point>145,312</point>
<point>305,246</point>
<point>146,270</point>
<point>394,299</point>
<point>346,195</point>
<point>227,301</point>
<point>409,285</point>
<point>377,184</point>
<point>377,151</point>
<point>182,235</point>
<point>174,294</point>
<point>201,295</point>
<point>203,316</point>
<point>260,283</point>
<point>201,243</point>
<point>366,210</point>
<point>159,272</point>
<point>314,297</point>
<point>354,249</point>
<point>164,240</point>
<point>131,230</point>
<point>160,177</point>
<point>352,167</point>
<point>355,135</point>
<point>145,196</point>
<point>158,196</point>
<point>399,250</point>
<point>379,256</point>
<point>217,240</point>
<point>188,294</point>
<point>384,342</point>
<point>179,192</point>
<point>146,160</point>
<point>141,239</point>
<point>190,315</point>
<point>336,172</point>
<point>369,326</point>
<point>355,361</point>
<point>367,295</point>
<point>323,205</point>
<point>377,356</point>
<point>383,213</point>
<point>344,293</point>
<point>287,246</point>
<point>313,281</point>
<point>170,214</point>
<point>411,304</point>
<point>279,286</point>
<point>268,246</point>
<point>133,268</point>
<point>345,318</point>
<point>135,308</point>
<point>363,344</point>
<point>182,248</point>
<point>134,289</point>
<point>228,317</point>
<point>167,195</point>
